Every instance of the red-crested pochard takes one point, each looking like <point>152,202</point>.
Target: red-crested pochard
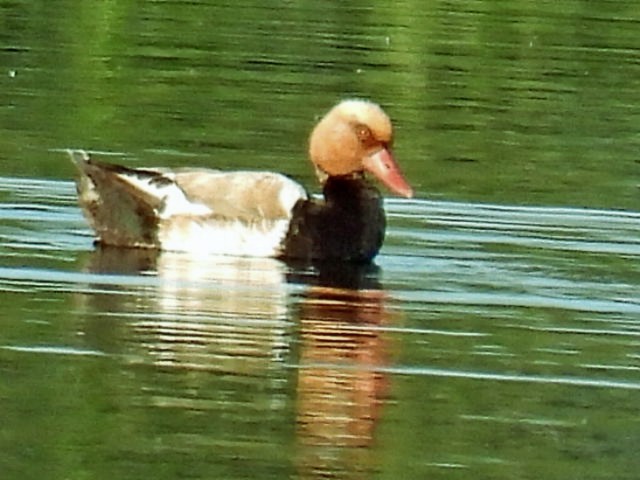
<point>250,212</point>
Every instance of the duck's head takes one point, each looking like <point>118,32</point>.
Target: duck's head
<point>354,137</point>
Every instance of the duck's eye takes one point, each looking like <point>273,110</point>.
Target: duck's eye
<point>364,134</point>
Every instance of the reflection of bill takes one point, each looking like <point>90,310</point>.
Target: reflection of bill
<point>340,385</point>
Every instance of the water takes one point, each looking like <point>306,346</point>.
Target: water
<point>489,339</point>
<point>498,333</point>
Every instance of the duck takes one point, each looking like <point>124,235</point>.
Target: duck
<point>255,213</point>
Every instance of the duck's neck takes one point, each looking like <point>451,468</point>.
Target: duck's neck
<point>348,225</point>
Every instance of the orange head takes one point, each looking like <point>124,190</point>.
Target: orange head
<point>356,136</point>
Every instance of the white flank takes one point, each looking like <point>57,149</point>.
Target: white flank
<point>224,236</point>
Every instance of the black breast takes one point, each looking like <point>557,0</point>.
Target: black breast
<point>347,225</point>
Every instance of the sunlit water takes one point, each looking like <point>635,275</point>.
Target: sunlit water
<point>506,333</point>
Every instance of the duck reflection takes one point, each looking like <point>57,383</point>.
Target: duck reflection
<point>201,313</point>
<point>257,317</point>
<point>341,385</point>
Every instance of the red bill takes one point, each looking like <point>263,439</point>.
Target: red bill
<point>384,167</point>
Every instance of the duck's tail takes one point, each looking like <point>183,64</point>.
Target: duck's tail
<point>119,213</point>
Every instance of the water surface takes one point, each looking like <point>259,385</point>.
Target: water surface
<point>487,339</point>
<point>497,334</point>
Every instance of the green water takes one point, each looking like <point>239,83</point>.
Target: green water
<point>498,335</point>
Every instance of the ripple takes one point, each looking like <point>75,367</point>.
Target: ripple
<point>53,350</point>
<point>420,371</point>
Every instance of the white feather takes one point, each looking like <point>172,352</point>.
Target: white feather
<point>172,198</point>
<point>224,237</point>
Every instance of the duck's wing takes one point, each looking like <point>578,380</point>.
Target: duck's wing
<point>242,195</point>
<point>138,207</point>
<point>250,213</point>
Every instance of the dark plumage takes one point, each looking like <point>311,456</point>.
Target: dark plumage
<point>348,224</point>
